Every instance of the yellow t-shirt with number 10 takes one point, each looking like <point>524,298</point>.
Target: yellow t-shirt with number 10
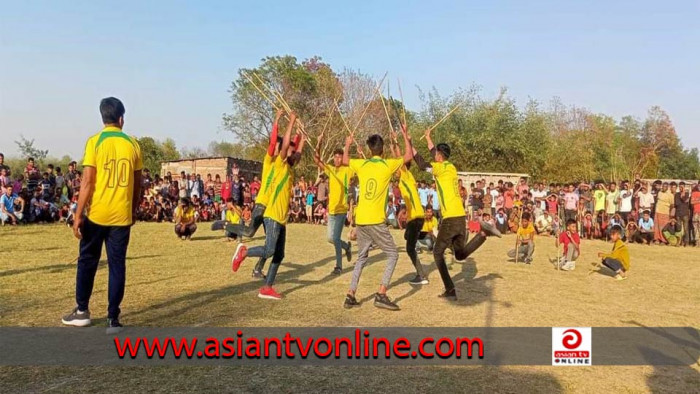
<point>115,156</point>
<point>447,182</point>
<point>374,176</point>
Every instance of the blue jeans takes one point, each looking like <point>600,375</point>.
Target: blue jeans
<point>335,230</point>
<point>116,239</point>
<point>275,239</point>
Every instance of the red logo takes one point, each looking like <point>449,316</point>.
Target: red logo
<point>573,340</point>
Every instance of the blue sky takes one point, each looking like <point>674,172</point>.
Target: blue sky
<point>172,62</point>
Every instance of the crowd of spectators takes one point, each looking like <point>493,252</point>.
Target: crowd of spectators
<point>648,212</point>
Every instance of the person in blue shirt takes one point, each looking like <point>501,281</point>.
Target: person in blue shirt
<point>435,199</point>
<point>645,231</point>
<point>423,194</point>
<point>7,206</point>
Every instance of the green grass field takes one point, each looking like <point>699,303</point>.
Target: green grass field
<point>190,283</point>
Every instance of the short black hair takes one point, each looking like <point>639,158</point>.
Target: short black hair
<point>616,230</point>
<point>375,142</point>
<point>229,200</point>
<point>526,216</point>
<point>111,109</point>
<point>338,151</point>
<point>570,222</point>
<point>646,212</point>
<point>444,150</point>
<point>50,166</point>
<point>673,183</point>
<point>30,159</point>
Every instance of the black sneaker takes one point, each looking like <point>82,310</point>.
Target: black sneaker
<point>348,252</point>
<point>418,280</point>
<point>113,326</point>
<point>258,275</point>
<point>77,318</point>
<point>449,295</point>
<point>383,301</point>
<point>350,302</point>
<point>337,271</point>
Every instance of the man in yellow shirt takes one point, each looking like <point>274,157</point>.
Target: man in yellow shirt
<point>525,241</point>
<point>426,239</point>
<point>453,228</point>
<point>110,192</point>
<point>338,182</point>
<point>374,176</point>
<point>275,216</point>
<point>233,216</point>
<point>256,217</point>
<point>184,215</point>
<point>415,216</point>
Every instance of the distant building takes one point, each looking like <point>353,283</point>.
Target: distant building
<point>221,166</point>
<point>471,177</point>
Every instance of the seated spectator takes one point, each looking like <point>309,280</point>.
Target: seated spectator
<point>233,216</point>
<point>543,224</point>
<point>8,202</point>
<point>402,218</point>
<point>246,214</point>
<point>501,221</point>
<point>295,213</point>
<point>391,216</point>
<point>645,232</point>
<point>185,224</point>
<point>428,233</point>
<point>514,219</point>
<point>673,232</point>
<point>616,220</point>
<point>631,229</point>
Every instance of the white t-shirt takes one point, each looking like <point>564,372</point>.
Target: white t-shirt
<point>540,194</point>
<point>646,200</point>
<point>626,201</point>
<point>494,196</point>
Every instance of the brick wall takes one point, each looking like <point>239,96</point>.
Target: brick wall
<point>217,165</point>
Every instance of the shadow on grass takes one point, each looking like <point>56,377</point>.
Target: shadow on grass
<point>51,269</point>
<point>284,379</point>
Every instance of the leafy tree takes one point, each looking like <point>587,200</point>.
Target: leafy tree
<point>27,149</point>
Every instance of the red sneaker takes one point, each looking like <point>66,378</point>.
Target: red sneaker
<point>238,257</point>
<point>269,293</point>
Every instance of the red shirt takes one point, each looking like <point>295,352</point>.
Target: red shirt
<point>566,238</point>
<point>552,207</point>
<point>254,188</point>
<point>225,190</point>
<point>695,201</point>
<point>474,226</point>
<point>508,199</point>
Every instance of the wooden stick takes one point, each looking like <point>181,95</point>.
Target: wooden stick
<point>403,106</point>
<point>388,118</point>
<point>443,119</point>
<point>260,91</point>
<point>352,133</point>
<point>376,89</point>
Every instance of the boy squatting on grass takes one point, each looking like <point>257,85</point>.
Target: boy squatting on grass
<point>619,259</point>
<point>572,246</point>
<point>525,244</point>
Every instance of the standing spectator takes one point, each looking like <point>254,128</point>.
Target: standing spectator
<point>4,178</point>
<point>236,191</point>
<point>60,181</point>
<point>523,188</point>
<point>309,206</point>
<point>235,171</point>
<point>539,196</point>
<point>599,198</point>
<point>570,204</point>
<point>435,202</point>
<point>664,202</point>
<point>322,190</point>
<point>625,202</point>
<point>423,193</point>
<point>682,206</point>
<point>4,166</point>
<point>695,202</point>
<point>646,199</point>
<point>32,175</point>
<point>495,193</point>
<point>112,164</point>
<point>217,189</point>
<point>146,180</point>
<point>70,176</point>
<point>303,185</point>
<point>508,199</point>
<point>612,199</point>
<point>226,189</point>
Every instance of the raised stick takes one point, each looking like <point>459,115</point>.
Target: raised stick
<point>352,133</point>
<point>260,91</point>
<point>376,89</point>
<point>403,106</point>
<point>388,118</point>
<point>443,119</point>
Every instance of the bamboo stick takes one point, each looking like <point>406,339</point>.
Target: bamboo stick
<point>443,119</point>
<point>403,106</point>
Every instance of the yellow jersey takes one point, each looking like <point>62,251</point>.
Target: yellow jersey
<point>277,207</point>
<point>374,176</point>
<point>429,225</point>
<point>447,182</point>
<point>409,192</point>
<point>268,175</point>
<point>524,233</point>
<point>338,182</point>
<point>185,215</point>
<point>232,216</point>
<point>115,156</point>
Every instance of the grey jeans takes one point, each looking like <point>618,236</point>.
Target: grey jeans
<point>524,251</point>
<point>379,236</point>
